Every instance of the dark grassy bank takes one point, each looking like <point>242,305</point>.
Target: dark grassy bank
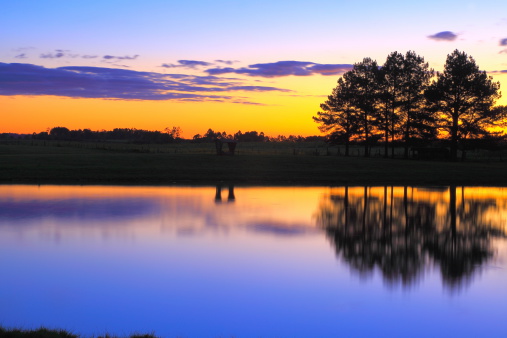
<point>47,333</point>
<point>26,164</point>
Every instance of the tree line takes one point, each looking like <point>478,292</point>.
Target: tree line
<point>252,136</point>
<point>405,101</point>
<point>132,135</point>
<point>168,135</point>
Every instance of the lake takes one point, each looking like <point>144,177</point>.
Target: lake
<point>240,261</point>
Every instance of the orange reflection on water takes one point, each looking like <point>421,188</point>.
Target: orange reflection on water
<point>149,211</point>
<point>399,230</point>
<point>280,207</point>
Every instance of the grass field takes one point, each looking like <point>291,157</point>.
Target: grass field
<point>265,164</point>
<point>48,333</point>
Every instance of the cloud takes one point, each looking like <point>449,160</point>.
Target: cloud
<point>227,62</point>
<point>256,88</point>
<point>330,69</point>
<point>59,53</point>
<point>250,103</point>
<point>503,42</point>
<point>113,83</point>
<point>192,64</point>
<point>443,36</point>
<point>21,56</point>
<point>56,55</point>
<point>112,57</point>
<point>284,68</point>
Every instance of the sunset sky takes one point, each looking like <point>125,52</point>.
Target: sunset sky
<point>260,65</point>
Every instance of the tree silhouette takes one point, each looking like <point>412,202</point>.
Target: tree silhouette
<point>174,132</point>
<point>364,94</point>
<point>396,102</point>
<point>391,89</point>
<point>338,115</point>
<point>415,120</point>
<point>388,99</point>
<point>463,96</point>
<point>59,133</point>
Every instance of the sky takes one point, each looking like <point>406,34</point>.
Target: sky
<point>225,65</point>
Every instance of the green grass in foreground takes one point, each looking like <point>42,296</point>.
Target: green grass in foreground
<point>25,164</point>
<point>47,333</point>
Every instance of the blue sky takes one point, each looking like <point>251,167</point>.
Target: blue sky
<point>252,32</point>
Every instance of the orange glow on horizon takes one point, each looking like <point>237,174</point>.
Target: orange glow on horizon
<point>276,113</point>
<point>279,116</point>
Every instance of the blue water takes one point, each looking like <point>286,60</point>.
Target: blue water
<point>255,262</point>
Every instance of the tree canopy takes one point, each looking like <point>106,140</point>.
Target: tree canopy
<point>463,97</point>
<point>397,102</point>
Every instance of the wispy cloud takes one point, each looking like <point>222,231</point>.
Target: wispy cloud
<point>62,53</point>
<point>21,56</point>
<point>126,57</point>
<point>56,55</point>
<point>284,68</point>
<point>443,36</point>
<point>113,83</point>
<point>227,62</point>
<point>192,64</point>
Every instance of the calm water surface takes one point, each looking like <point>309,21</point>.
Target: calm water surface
<point>255,262</point>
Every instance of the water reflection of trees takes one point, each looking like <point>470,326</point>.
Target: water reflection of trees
<point>401,231</point>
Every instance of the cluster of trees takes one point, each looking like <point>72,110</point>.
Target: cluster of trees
<point>403,100</point>
<point>118,134</point>
<point>249,136</point>
<point>169,135</point>
<point>14,136</point>
<point>252,136</point>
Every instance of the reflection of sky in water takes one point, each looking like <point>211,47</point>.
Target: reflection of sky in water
<point>76,208</point>
<point>173,261</point>
<point>181,210</point>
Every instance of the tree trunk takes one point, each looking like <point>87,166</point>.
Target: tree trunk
<point>386,145</point>
<point>392,134</point>
<point>407,138</point>
<point>454,137</point>
<point>392,144</point>
<point>366,150</point>
<point>407,135</point>
<point>365,121</point>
